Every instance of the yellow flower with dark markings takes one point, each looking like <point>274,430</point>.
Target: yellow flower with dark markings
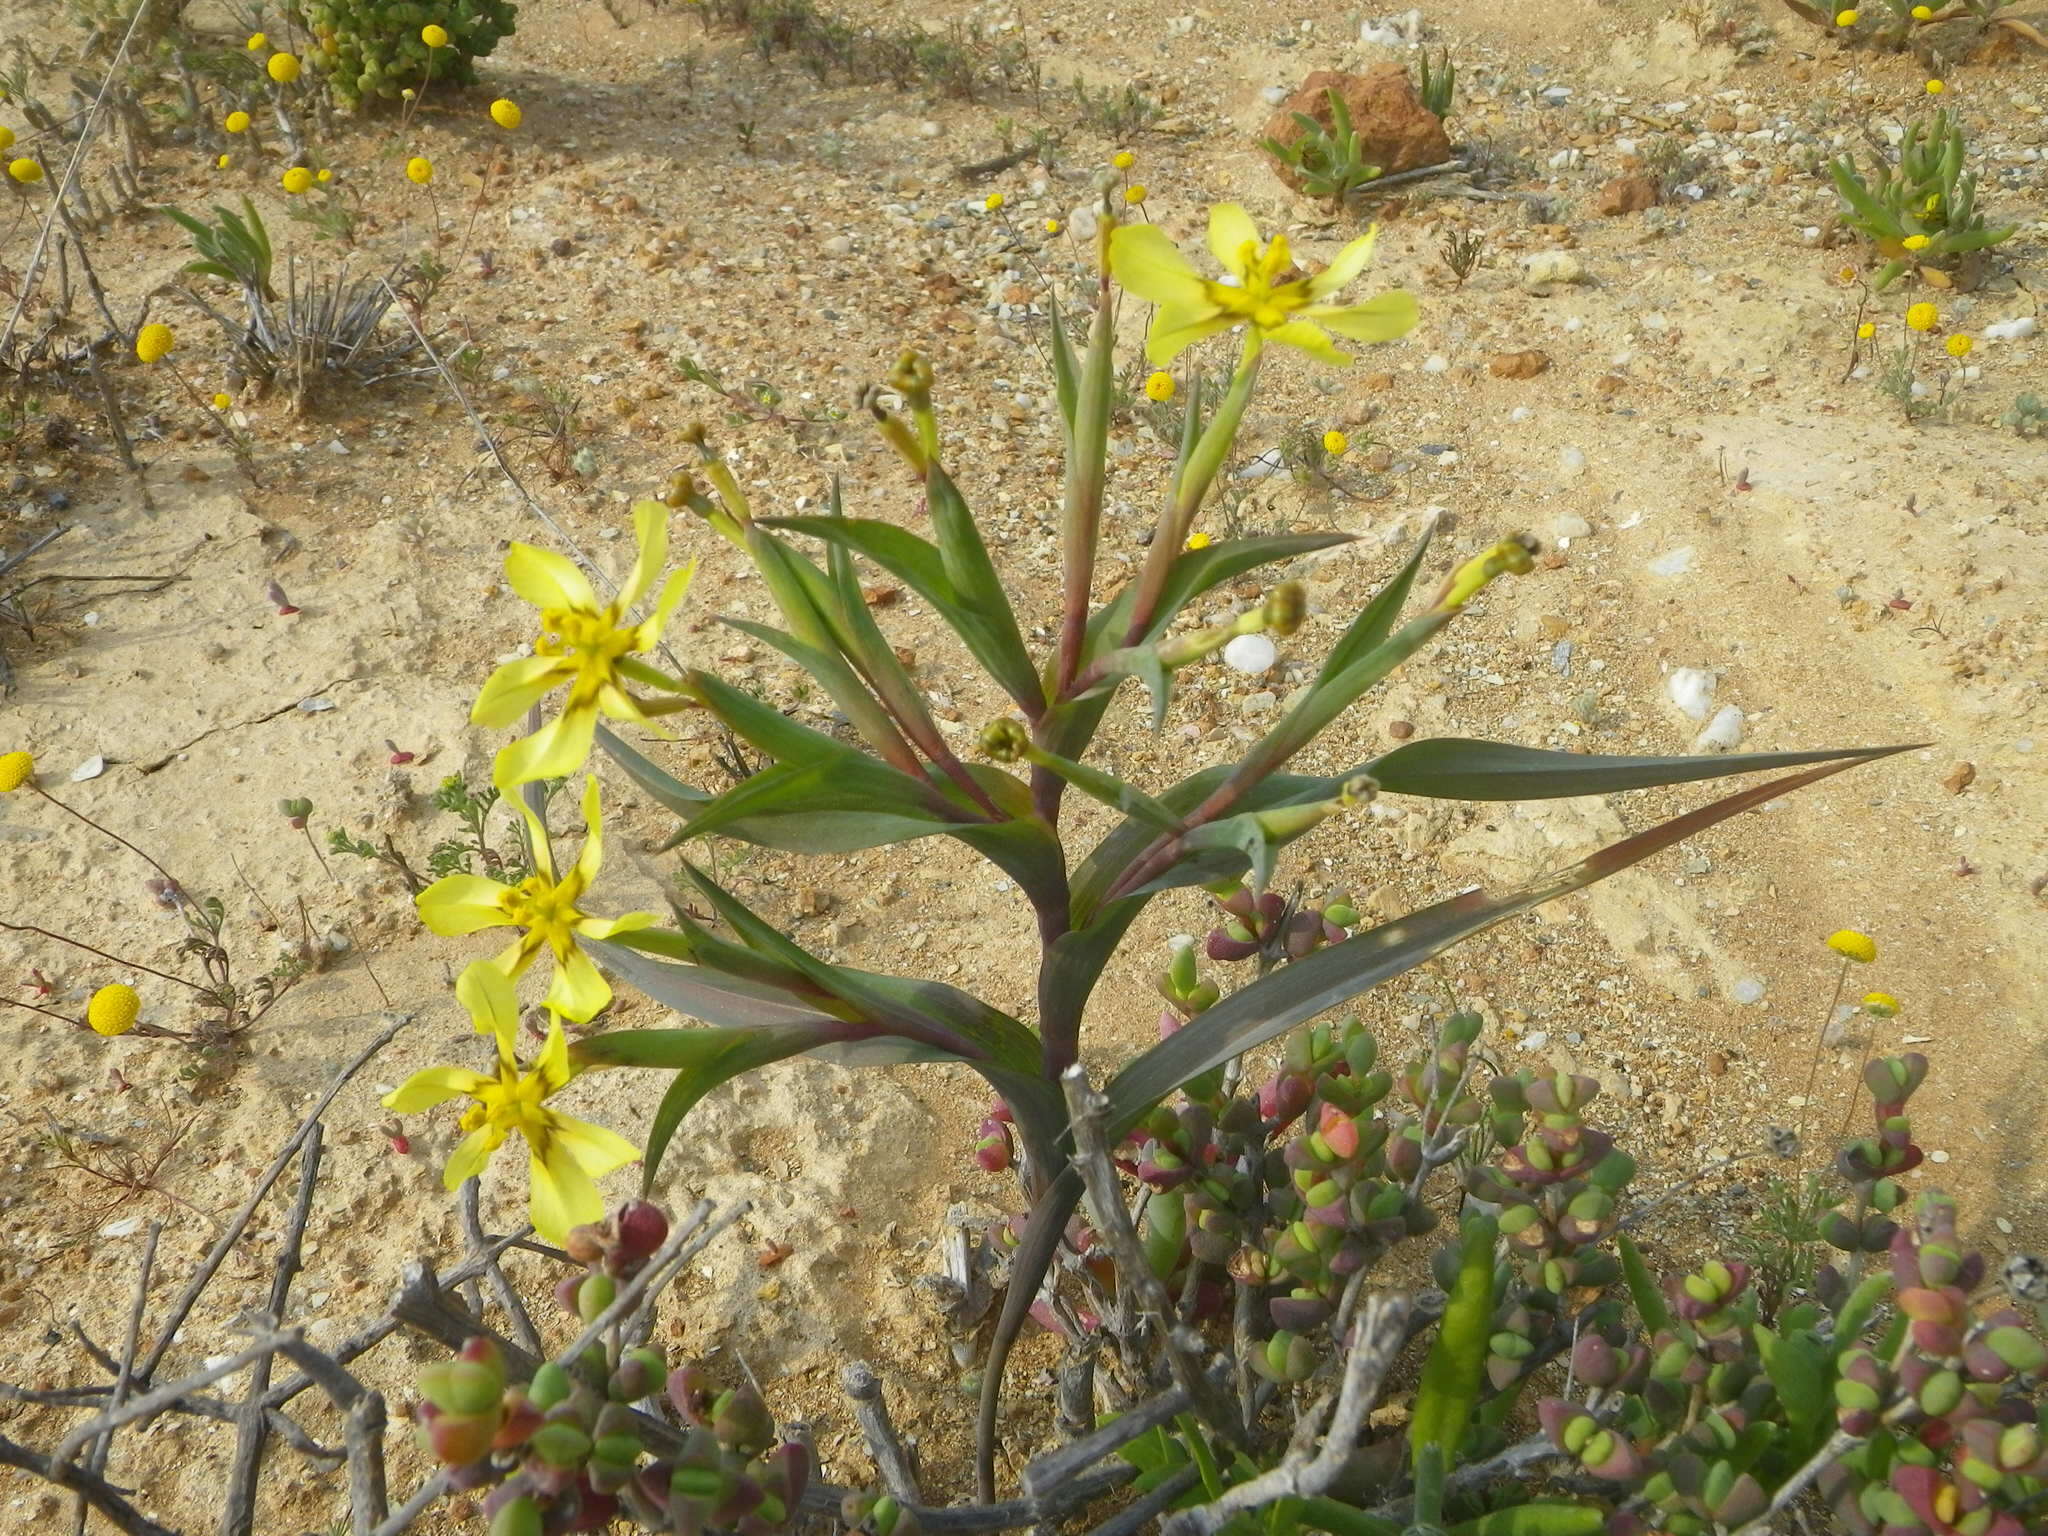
<point>113,1010</point>
<point>565,1156</point>
<point>584,643</point>
<point>1296,314</point>
<point>546,908</point>
<point>1851,945</point>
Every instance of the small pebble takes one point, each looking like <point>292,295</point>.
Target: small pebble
<point>1250,654</point>
<point>1747,990</point>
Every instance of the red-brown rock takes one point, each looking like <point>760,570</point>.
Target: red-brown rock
<point>1396,131</point>
<point>1625,194</point>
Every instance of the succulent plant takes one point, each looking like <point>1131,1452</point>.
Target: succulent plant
<point>372,49</point>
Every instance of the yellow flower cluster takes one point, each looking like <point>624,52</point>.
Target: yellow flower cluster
<point>153,342</point>
<point>16,769</point>
<point>419,170</point>
<point>1851,945</point>
<point>1159,387</point>
<point>113,1010</point>
<point>283,68</point>
<point>25,170</point>
<point>506,114</point>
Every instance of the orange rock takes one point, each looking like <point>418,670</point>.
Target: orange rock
<point>1396,131</point>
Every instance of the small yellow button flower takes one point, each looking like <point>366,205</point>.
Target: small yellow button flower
<point>1052,226</point>
<point>1199,541</point>
<point>296,180</point>
<point>283,68</point>
<point>1922,316</point>
<point>25,170</point>
<point>1134,194</point>
<point>224,161</point>
<point>258,41</point>
<point>1935,87</point>
<point>419,169</point>
<point>1880,1005</point>
<point>506,114</point>
<point>1865,331</point>
<point>1845,18</point>
<point>323,175</point>
<point>113,1010</point>
<point>1915,242</point>
<point>993,201</point>
<point>1124,160</point>
<point>1923,13</point>
<point>1851,945</point>
<point>236,122</point>
<point>153,342</point>
<point>1336,444</point>
<point>1159,387</point>
<point>1958,345</point>
<point>434,36</point>
<point>16,769</point>
<point>6,137</point>
<point>222,400</point>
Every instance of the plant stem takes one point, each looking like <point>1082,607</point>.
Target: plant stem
<point>176,885</point>
<point>116,959</point>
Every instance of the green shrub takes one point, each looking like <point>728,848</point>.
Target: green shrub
<point>373,48</point>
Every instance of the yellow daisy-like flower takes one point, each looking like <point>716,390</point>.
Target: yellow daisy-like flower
<point>1845,18</point>
<point>153,342</point>
<point>113,1010</point>
<point>1958,345</point>
<point>1123,160</point>
<point>565,1155</point>
<point>1922,316</point>
<point>296,180</point>
<point>993,201</point>
<point>1865,331</point>
<point>1335,443</point>
<point>25,170</point>
<point>1880,1005</point>
<point>16,769</point>
<point>506,114</point>
<point>258,41</point>
<point>236,122</point>
<point>546,908</point>
<point>419,170</point>
<point>1199,541</point>
<point>283,68</point>
<point>1134,194</point>
<point>434,36</point>
<point>583,643</point>
<point>1916,242</point>
<point>1935,87</point>
<point>1295,314</point>
<point>1159,387</point>
<point>222,400</point>
<point>1851,945</point>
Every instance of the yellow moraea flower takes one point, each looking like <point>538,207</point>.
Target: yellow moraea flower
<point>506,114</point>
<point>583,643</point>
<point>16,769</point>
<point>283,68</point>
<point>25,170</point>
<point>153,343</point>
<point>419,169</point>
<point>1159,387</point>
<point>1851,945</point>
<point>565,1155</point>
<point>434,36</point>
<point>237,122</point>
<point>1296,314</point>
<point>296,180</point>
<point>113,1010</point>
<point>1922,317</point>
<point>546,908</point>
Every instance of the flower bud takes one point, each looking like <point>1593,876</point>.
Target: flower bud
<point>643,1228</point>
<point>1005,739</point>
<point>1285,607</point>
<point>585,1244</point>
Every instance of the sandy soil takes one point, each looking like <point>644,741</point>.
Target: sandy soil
<point>1853,578</point>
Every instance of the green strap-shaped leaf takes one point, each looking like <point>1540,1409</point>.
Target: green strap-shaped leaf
<point>1453,768</point>
<point>900,806</point>
<point>1277,1003</point>
<point>1029,1261</point>
<point>1326,1514</point>
<point>1065,370</point>
<point>1456,1364</point>
<point>1643,1289</point>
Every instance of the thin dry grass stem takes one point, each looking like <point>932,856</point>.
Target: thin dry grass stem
<point>96,1458</point>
